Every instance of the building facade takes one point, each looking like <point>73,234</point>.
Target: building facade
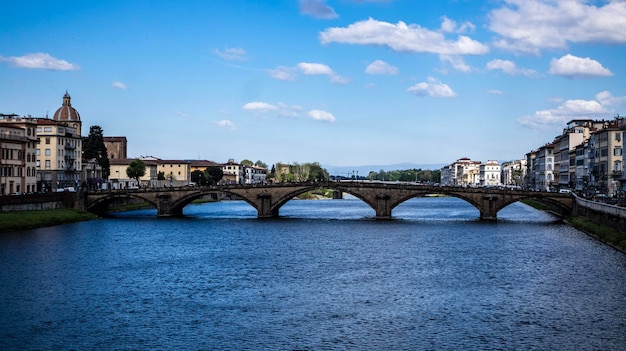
<point>606,159</point>
<point>116,147</point>
<point>489,173</point>
<point>59,151</point>
<point>18,143</point>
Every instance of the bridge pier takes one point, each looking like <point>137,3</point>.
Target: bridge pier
<point>164,207</point>
<point>383,211</point>
<point>264,206</point>
<point>488,209</point>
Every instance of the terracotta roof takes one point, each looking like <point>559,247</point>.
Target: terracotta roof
<point>203,163</point>
<point>66,112</point>
<point>127,161</point>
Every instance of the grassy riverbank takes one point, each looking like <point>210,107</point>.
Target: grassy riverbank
<point>601,232</point>
<point>23,220</point>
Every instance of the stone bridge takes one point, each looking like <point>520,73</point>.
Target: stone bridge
<point>380,196</point>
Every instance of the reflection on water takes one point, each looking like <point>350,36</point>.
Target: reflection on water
<point>326,275</point>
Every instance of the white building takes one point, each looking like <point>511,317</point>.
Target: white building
<point>490,173</point>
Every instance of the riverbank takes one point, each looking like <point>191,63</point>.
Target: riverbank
<point>603,233</point>
<point>24,220</point>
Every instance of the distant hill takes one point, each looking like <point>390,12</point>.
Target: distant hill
<point>365,170</point>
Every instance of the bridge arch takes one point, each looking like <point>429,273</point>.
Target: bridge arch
<point>101,204</point>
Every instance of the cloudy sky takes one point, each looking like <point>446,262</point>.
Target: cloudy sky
<point>340,82</point>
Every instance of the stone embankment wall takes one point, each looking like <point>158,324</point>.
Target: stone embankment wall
<point>601,213</point>
<point>31,202</point>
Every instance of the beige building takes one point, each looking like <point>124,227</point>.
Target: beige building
<point>606,160</point>
<point>176,172</point>
<point>577,132</point>
<point>463,172</point>
<point>59,150</point>
<point>119,178</point>
<point>18,143</point>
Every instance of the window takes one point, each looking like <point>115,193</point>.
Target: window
<point>47,152</point>
<point>47,164</point>
<point>47,140</point>
<point>47,129</point>
<point>618,136</point>
<point>617,151</point>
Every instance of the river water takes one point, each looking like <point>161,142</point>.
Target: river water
<point>325,276</point>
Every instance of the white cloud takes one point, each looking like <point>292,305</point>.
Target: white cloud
<point>259,106</point>
<point>280,109</point>
<point>320,115</point>
<point>119,85</point>
<point>40,60</point>
<point>432,88</point>
<point>509,67</point>
<point>182,114</point>
<point>381,67</point>
<point>401,37</point>
<point>528,26</point>
<point>456,61</point>
<point>336,79</point>
<point>450,26</point>
<point>306,68</point>
<point>495,92</point>
<point>232,54</point>
<point>317,9</point>
<point>314,68</point>
<point>283,73</point>
<point>576,67</point>
<point>224,123</point>
<point>607,99</point>
<point>603,105</point>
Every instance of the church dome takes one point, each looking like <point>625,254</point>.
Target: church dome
<point>66,112</point>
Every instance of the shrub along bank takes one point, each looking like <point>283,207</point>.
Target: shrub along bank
<point>23,220</point>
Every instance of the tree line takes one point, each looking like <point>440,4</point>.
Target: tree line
<point>407,175</point>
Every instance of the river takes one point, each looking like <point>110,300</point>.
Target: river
<point>324,276</point>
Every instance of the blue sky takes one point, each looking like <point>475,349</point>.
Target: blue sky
<point>340,82</point>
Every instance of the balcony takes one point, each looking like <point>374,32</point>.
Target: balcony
<point>616,174</point>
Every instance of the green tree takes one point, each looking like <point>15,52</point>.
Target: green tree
<point>246,163</point>
<point>161,175</point>
<point>317,173</point>
<point>199,177</point>
<point>272,173</point>
<point>214,174</point>
<point>136,169</point>
<point>94,148</point>
<point>261,164</point>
